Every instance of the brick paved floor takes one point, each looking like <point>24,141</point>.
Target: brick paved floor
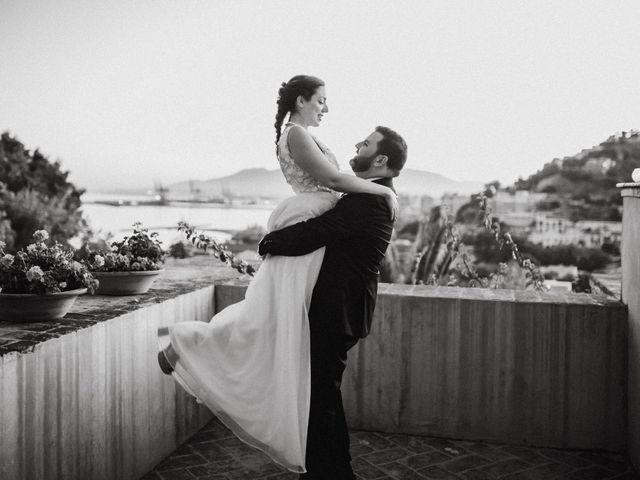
<point>215,454</point>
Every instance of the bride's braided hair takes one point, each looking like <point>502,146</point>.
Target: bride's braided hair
<point>300,85</point>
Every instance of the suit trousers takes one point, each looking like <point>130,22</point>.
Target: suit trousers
<point>327,454</point>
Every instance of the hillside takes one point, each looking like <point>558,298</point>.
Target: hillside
<point>259,182</point>
<point>585,183</point>
<point>601,167</point>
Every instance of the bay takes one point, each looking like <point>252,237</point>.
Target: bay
<point>214,219</point>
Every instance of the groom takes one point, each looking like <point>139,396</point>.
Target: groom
<point>356,233</point>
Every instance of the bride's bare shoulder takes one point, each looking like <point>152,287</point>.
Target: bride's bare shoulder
<point>299,138</point>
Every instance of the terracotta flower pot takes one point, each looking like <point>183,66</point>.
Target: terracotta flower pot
<point>125,283</point>
<point>30,307</point>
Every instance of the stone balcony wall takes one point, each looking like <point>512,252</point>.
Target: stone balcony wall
<point>83,398</point>
<point>518,367</point>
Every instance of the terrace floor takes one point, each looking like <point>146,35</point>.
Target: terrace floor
<point>215,454</point>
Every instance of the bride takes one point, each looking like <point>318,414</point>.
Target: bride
<point>250,364</point>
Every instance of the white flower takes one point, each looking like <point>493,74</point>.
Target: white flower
<point>98,261</point>
<point>62,285</point>
<point>77,266</point>
<point>7,260</point>
<point>35,273</point>
<point>32,248</point>
<point>40,235</point>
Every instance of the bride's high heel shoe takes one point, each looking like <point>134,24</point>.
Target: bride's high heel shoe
<point>165,366</point>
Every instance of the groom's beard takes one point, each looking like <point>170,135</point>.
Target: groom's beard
<point>362,164</point>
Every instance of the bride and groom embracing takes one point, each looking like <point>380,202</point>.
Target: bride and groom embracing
<point>270,367</point>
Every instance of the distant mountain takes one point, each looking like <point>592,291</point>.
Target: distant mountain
<point>421,182</point>
<point>260,182</point>
<point>253,182</point>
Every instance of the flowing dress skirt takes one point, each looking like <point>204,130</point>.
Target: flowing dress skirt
<point>250,364</point>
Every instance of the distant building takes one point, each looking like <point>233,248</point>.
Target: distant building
<point>415,205</point>
<point>598,165</point>
<point>551,229</point>
<point>515,209</point>
<point>519,223</point>
<point>562,272</point>
<point>517,202</point>
<point>558,286</point>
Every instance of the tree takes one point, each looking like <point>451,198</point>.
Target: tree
<point>469,214</point>
<point>35,194</point>
<point>491,188</point>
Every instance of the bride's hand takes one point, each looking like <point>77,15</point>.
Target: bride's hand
<point>392,202</point>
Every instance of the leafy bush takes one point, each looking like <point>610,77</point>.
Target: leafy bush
<point>181,250</point>
<point>409,230</point>
<point>588,259</point>
<point>35,194</point>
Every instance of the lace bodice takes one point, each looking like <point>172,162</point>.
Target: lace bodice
<point>301,181</point>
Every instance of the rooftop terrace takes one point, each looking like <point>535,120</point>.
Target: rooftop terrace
<point>215,454</point>
<point>452,383</point>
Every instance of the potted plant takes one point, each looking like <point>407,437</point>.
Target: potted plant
<point>40,282</point>
<point>130,266</point>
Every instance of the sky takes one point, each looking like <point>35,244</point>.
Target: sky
<point>126,93</point>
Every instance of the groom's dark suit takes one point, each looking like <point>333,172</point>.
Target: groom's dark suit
<point>356,233</point>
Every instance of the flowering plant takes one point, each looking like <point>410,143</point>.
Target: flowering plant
<point>141,251</point>
<point>534,277</point>
<point>41,269</point>
<point>222,253</point>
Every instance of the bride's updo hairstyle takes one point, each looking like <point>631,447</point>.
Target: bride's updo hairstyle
<point>300,85</point>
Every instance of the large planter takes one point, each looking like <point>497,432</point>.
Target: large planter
<point>30,307</point>
<point>125,283</point>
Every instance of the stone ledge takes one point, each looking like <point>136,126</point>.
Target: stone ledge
<point>179,277</point>
<point>89,403</point>
<point>497,295</point>
<point>609,283</point>
<point>516,367</point>
<point>630,189</point>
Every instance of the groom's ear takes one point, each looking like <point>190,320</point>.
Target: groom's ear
<point>381,161</point>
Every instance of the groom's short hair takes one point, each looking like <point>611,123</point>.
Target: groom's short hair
<point>394,147</point>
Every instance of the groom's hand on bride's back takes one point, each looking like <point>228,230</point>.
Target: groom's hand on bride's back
<point>263,246</point>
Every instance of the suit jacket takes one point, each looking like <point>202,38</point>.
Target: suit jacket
<point>356,234</point>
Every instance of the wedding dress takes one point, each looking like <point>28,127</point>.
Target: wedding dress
<point>250,364</point>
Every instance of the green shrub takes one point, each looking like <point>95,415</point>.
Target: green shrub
<point>181,250</point>
<point>34,195</point>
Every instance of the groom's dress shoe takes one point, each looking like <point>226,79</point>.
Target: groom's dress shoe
<point>165,366</point>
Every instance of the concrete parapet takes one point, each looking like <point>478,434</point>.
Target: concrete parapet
<point>519,367</point>
<point>83,398</point>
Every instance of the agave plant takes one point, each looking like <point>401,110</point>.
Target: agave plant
<point>432,257</point>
